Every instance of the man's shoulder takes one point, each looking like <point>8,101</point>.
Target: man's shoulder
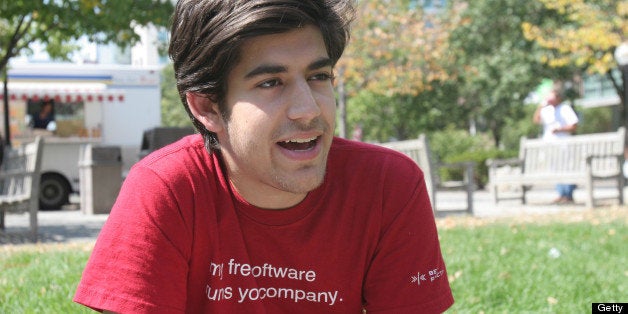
<point>373,150</point>
<point>354,154</point>
<point>565,106</point>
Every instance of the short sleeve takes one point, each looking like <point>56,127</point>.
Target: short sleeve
<point>569,115</point>
<point>407,274</point>
<point>139,262</point>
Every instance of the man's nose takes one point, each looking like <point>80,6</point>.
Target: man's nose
<point>303,105</point>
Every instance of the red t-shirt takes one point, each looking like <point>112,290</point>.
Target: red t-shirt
<point>179,239</point>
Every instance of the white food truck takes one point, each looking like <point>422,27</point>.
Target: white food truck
<point>93,104</point>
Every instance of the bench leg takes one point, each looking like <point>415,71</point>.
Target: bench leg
<point>1,220</point>
<point>470,200</point>
<point>589,187</point>
<point>620,188</point>
<point>470,185</point>
<point>34,208</point>
<point>34,229</point>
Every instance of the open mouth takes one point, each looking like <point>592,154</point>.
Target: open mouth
<point>299,144</point>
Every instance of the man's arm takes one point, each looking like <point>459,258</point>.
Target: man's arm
<point>536,118</point>
<point>568,128</point>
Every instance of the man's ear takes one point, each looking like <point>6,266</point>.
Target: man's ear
<point>205,110</point>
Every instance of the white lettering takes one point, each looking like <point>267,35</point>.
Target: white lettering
<point>296,295</point>
<point>280,272</point>
<point>254,294</point>
<point>216,269</point>
<point>268,270</point>
<point>242,294</point>
<point>271,293</point>
<point>218,294</point>
<point>283,293</point>
<point>257,271</point>
<point>610,308</point>
<point>333,297</point>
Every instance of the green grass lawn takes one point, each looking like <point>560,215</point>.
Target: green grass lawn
<point>538,265</point>
<point>41,278</point>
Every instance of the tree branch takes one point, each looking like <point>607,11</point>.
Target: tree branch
<point>619,89</point>
<point>13,48</point>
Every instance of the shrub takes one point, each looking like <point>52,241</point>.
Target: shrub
<point>479,157</point>
<point>451,145</point>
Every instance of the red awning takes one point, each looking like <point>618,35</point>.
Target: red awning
<point>63,92</point>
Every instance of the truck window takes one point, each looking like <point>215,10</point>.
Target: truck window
<point>74,118</point>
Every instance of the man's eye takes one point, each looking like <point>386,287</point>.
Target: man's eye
<point>321,77</point>
<point>269,83</point>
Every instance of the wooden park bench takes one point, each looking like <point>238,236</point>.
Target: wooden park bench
<point>581,159</point>
<point>419,150</point>
<point>19,183</point>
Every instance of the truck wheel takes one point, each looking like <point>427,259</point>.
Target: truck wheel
<point>54,191</point>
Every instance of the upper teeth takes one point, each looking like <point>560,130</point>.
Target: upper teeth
<point>301,140</point>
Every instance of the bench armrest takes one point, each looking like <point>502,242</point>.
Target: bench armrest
<point>459,165</point>
<point>8,174</point>
<point>494,163</point>
<point>618,157</point>
<point>605,166</point>
<point>468,168</point>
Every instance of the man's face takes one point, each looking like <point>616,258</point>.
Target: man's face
<point>553,98</point>
<point>281,119</point>
<point>46,108</point>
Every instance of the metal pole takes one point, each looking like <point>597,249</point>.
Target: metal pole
<point>624,103</point>
<point>624,77</point>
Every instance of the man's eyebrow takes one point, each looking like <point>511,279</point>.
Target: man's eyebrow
<point>275,68</point>
<point>266,69</point>
<point>320,63</point>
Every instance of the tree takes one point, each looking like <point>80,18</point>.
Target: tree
<point>58,23</point>
<point>585,36</point>
<point>392,70</point>
<point>172,111</point>
<point>497,66</point>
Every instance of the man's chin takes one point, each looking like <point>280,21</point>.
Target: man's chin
<point>303,183</point>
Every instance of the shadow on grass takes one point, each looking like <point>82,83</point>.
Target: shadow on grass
<point>50,234</point>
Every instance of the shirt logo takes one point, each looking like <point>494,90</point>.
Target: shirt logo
<point>433,274</point>
<point>418,278</point>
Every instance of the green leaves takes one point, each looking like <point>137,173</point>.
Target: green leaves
<point>172,111</point>
<point>59,23</point>
<point>587,37</point>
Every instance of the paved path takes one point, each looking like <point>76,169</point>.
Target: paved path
<point>67,225</point>
<point>71,225</point>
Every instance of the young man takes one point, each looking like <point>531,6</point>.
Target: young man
<point>265,211</point>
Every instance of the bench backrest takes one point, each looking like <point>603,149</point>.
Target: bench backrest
<point>419,150</point>
<point>19,175</point>
<point>568,155</point>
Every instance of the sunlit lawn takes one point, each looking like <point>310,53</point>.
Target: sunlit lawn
<point>542,264</point>
<point>41,278</point>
